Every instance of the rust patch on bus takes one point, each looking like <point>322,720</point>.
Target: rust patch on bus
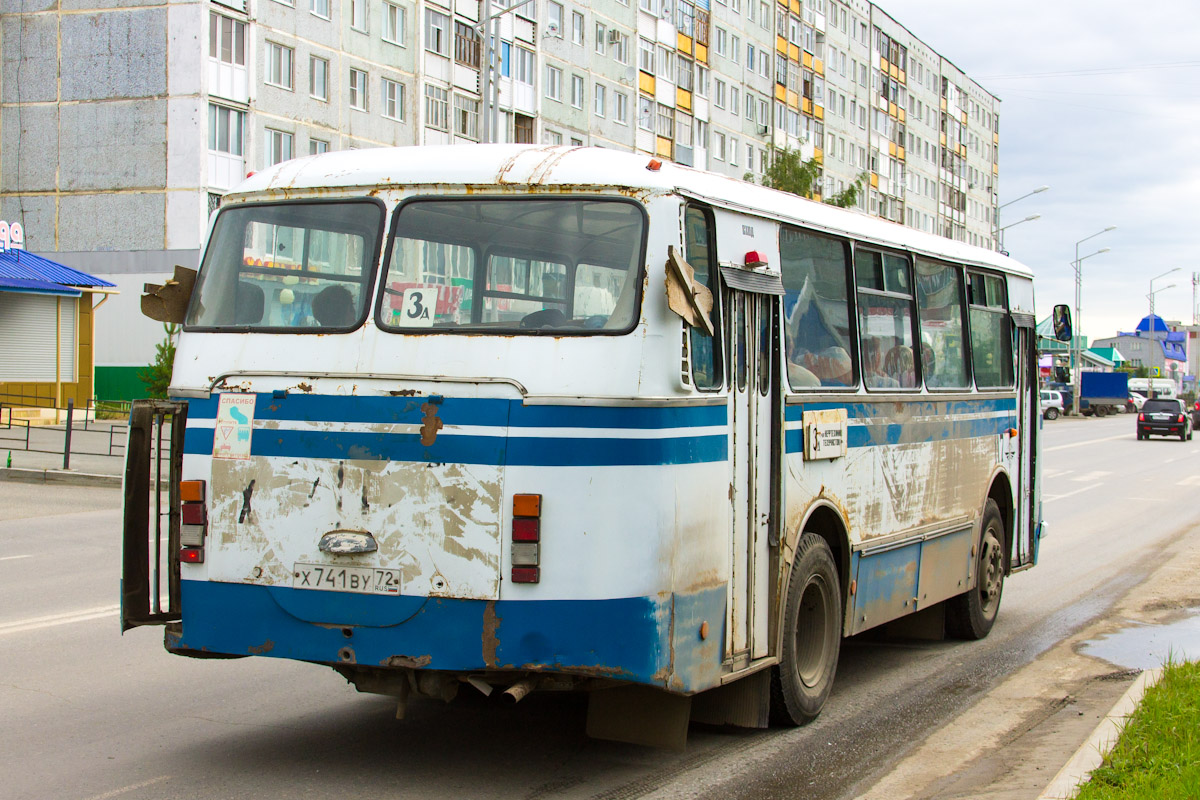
<point>262,649</point>
<point>412,662</point>
<point>403,392</point>
<point>491,624</point>
<point>430,424</point>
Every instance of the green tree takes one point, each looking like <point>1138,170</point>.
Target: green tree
<point>157,376</point>
<point>789,172</point>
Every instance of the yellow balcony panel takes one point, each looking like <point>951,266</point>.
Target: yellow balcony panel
<point>900,153</point>
<point>943,140</point>
<point>874,181</point>
<point>995,169</point>
<point>794,52</point>
<point>902,115</point>
<point>683,99</point>
<point>818,66</point>
<point>665,147</point>
<point>781,45</point>
<point>883,64</point>
<point>816,195</point>
<point>807,106</point>
<point>943,104</point>
<point>783,3</point>
<point>818,155</point>
<point>892,149</point>
<point>962,150</point>
<point>794,5</point>
<point>819,112</point>
<point>807,60</point>
<point>781,93</point>
<point>793,99</point>
<point>646,83</point>
<point>701,53</point>
<point>894,72</point>
<point>996,138</point>
<point>964,118</point>
<point>903,77</point>
<point>892,109</point>
<point>684,42</point>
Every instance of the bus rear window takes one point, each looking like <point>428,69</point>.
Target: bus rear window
<point>518,266</point>
<point>289,267</point>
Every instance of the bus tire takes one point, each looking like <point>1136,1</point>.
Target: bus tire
<point>812,634</point>
<point>971,614</point>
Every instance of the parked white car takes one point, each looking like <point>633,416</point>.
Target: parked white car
<point>1052,403</point>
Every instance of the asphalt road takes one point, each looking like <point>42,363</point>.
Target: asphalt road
<point>87,713</point>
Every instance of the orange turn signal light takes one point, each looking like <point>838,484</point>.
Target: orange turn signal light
<point>527,505</point>
<point>191,491</point>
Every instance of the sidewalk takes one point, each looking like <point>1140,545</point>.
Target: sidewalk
<point>44,461</point>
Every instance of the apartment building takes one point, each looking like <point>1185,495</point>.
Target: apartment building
<point>121,125</point>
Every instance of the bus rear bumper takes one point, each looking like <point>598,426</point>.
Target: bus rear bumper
<point>656,641</point>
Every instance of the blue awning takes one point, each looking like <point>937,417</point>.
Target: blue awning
<point>33,286</point>
<point>25,266</point>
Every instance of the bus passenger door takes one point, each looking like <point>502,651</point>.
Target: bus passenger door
<point>1028,412</point>
<point>749,334</point>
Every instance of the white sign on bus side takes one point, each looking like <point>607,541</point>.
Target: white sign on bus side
<point>825,434</point>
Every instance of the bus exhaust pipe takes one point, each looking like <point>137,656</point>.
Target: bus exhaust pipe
<point>516,693</point>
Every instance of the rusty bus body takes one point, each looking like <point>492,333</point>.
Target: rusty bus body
<point>560,418</point>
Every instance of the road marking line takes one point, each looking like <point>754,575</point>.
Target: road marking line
<point>1081,444</point>
<point>129,788</point>
<point>13,558</point>
<point>37,623</point>
<point>1054,473</point>
<point>1091,476</point>
<point>1048,498</point>
<point>1190,480</point>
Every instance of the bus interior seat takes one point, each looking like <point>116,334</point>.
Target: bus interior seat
<point>546,318</point>
<point>333,307</point>
<point>248,304</point>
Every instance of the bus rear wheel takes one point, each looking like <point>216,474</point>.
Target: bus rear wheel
<point>812,634</point>
<point>971,614</point>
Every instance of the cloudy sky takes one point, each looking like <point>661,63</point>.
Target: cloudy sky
<point>1100,101</point>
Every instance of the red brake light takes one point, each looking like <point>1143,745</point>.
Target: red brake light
<point>1141,417</point>
<point>525,574</point>
<point>525,530</point>
<point>192,555</point>
<point>193,514</point>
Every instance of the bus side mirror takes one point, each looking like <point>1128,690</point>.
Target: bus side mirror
<point>169,302</point>
<point>1062,323</point>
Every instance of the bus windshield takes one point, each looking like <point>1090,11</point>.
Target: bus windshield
<point>289,267</point>
<point>519,266</point>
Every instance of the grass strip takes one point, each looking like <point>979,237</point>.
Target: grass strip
<point>1158,753</point>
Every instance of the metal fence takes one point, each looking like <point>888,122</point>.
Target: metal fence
<point>77,434</point>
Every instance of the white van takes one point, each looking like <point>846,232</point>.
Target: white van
<point>1162,387</point>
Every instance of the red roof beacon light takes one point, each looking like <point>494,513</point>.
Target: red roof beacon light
<point>655,165</point>
<point>756,258</point>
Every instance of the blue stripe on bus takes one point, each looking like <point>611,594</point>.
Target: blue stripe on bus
<point>917,407</point>
<point>468,411</point>
<point>910,432</point>
<point>625,638</point>
<point>493,450</point>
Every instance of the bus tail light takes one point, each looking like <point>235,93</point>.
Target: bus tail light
<point>526,538</point>
<point>193,514</point>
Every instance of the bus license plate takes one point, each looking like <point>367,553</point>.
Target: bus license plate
<point>365,580</point>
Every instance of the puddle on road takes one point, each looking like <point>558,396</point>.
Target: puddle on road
<point>1147,646</point>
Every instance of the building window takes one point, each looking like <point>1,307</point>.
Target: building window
<point>622,107</point>
<point>226,40</point>
<point>599,100</point>
<point>320,8</point>
<point>620,47</point>
<point>437,108</point>
<point>576,27</point>
<point>577,91</point>
<point>318,78</point>
<point>646,55</point>
<point>553,83</point>
<point>666,121</point>
<point>226,130</point>
<point>358,89</point>
<point>279,65</point>
<point>358,15</point>
<point>523,65</point>
<point>552,137</point>
<point>666,63</point>
<point>554,23</point>
<point>467,44</point>
<point>522,129</point>
<point>392,96</point>
<point>395,23</point>
<point>466,116</point>
<point>437,27</point>
<point>645,113</point>
<point>214,202</point>
<point>279,146</point>
<point>317,146</point>
<point>718,146</point>
<point>601,35</point>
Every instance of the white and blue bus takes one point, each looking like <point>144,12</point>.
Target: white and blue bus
<point>544,418</point>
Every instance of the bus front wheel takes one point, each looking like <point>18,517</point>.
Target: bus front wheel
<point>812,635</point>
<point>971,614</point>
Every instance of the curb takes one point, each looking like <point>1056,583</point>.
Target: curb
<point>59,476</point>
<point>1092,752</point>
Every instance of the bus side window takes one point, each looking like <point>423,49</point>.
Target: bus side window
<point>818,331</point>
<point>940,306</point>
<point>698,246</point>
<point>885,319</point>
<point>991,331</point>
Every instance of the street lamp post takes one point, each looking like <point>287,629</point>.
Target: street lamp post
<point>1030,218</point>
<point>1150,319</point>
<point>1076,355</point>
<point>491,81</point>
<point>999,230</point>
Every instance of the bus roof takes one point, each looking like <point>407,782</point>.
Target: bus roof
<point>507,165</point>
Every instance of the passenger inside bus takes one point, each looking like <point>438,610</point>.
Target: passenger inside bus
<point>333,307</point>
